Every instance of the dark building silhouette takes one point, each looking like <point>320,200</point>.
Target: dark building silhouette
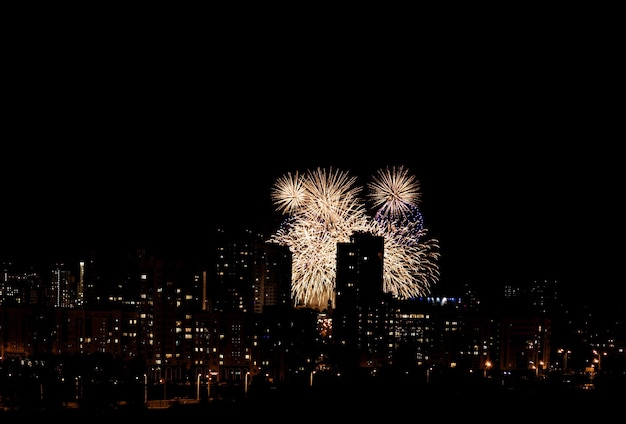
<point>361,317</point>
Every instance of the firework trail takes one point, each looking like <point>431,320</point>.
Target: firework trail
<point>326,207</point>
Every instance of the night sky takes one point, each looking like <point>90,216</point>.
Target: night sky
<point>516,150</point>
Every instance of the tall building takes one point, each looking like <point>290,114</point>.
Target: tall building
<point>231,286</point>
<point>272,277</point>
<point>361,317</point>
<point>63,293</point>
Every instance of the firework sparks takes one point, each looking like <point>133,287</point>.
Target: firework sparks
<point>394,192</point>
<point>288,193</point>
<point>325,208</point>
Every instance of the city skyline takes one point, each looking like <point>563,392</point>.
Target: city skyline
<point>123,136</point>
<point>508,222</point>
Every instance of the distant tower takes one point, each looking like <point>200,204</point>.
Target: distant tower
<point>63,293</point>
<point>80,289</point>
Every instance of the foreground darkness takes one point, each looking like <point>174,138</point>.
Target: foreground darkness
<point>447,399</point>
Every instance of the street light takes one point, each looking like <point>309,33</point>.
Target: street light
<point>598,359</point>
<point>487,366</point>
<point>198,387</point>
<point>208,385</point>
<point>78,389</point>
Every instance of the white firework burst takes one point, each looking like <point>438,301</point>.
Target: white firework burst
<point>288,193</point>
<point>332,197</point>
<point>324,208</point>
<point>394,192</point>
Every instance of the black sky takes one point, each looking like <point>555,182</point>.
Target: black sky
<point>515,143</point>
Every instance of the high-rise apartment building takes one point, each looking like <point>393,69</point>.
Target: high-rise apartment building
<point>361,317</point>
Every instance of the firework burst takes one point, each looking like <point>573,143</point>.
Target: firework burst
<point>325,208</point>
<point>288,193</point>
<point>394,192</point>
